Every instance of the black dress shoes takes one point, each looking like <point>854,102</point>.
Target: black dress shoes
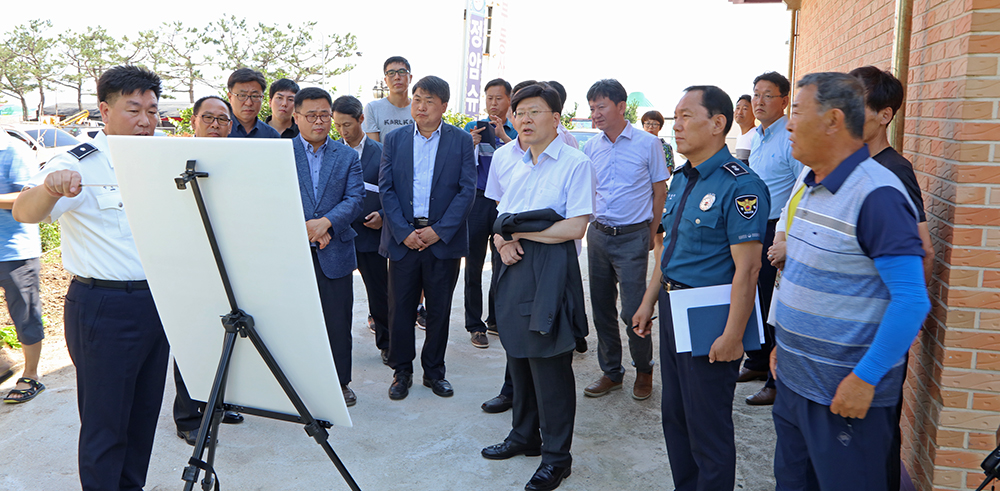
<point>506,450</point>
<point>498,404</point>
<point>231,418</point>
<point>385,356</point>
<point>441,387</point>
<point>547,477</point>
<point>400,387</point>
<point>191,436</point>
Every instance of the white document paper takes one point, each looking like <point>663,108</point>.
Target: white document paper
<point>682,300</point>
<point>371,187</point>
<point>252,198</point>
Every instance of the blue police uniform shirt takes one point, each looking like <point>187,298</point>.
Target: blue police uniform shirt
<point>728,204</point>
<point>484,161</point>
<point>260,130</point>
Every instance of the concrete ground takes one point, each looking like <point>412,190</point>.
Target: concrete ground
<point>421,443</point>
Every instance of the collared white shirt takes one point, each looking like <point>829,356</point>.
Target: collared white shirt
<point>505,159</point>
<point>626,171</point>
<point>361,145</point>
<point>424,155</point>
<point>96,237</point>
<point>567,137</point>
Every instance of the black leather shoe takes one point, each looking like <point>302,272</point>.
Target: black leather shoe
<point>498,404</point>
<point>400,387</point>
<point>581,345</point>
<point>547,478</point>
<point>441,387</point>
<point>349,397</point>
<point>385,356</point>
<point>506,450</point>
<point>190,436</point>
<point>232,418</point>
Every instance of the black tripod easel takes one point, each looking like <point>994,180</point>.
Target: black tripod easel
<point>239,322</point>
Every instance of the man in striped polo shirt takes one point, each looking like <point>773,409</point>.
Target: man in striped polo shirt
<point>852,298</point>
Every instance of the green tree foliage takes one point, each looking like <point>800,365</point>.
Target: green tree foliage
<point>631,112</point>
<point>89,54</point>
<point>179,57</point>
<point>15,79</point>
<point>457,119</point>
<point>34,50</point>
<point>567,117</point>
<point>50,235</point>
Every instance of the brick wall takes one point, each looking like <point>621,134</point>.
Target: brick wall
<point>952,391</point>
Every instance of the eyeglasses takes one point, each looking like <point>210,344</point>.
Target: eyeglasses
<point>651,124</point>
<point>252,97</point>
<point>402,72</point>
<point>531,114</point>
<point>767,97</point>
<point>322,117</point>
<point>209,119</point>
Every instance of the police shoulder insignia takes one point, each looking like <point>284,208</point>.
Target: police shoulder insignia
<point>735,169</point>
<point>747,205</point>
<point>82,151</point>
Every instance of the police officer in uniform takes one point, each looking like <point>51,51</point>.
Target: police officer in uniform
<point>715,216</point>
<point>113,331</point>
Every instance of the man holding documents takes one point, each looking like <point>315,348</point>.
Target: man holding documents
<point>714,218</point>
<point>851,301</point>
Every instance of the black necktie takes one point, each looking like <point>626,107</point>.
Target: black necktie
<point>692,175</point>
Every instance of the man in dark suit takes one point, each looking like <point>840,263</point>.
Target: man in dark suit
<point>347,118</point>
<point>427,183</point>
<point>332,194</point>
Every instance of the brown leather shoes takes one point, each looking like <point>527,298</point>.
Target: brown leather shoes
<point>643,387</point>
<point>763,397</point>
<point>602,386</point>
<point>748,375</point>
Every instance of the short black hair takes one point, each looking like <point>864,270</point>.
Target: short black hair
<point>543,90</point>
<point>282,85</point>
<point>717,101</point>
<point>197,104</point>
<point>609,88</point>
<point>654,116</point>
<point>349,105</point>
<point>395,59</point>
<point>244,74</point>
<point>784,86</point>
<point>744,97</point>
<point>435,86</point>
<point>312,93</point>
<point>498,82</point>
<point>882,89</point>
<point>836,90</point>
<point>522,85</point>
<point>560,89</point>
<point>126,80</point>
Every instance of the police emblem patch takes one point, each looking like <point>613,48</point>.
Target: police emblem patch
<point>707,202</point>
<point>747,205</point>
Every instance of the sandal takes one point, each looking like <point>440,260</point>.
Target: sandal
<point>24,395</point>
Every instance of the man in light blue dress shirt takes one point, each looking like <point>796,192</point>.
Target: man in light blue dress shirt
<point>771,158</point>
<point>631,188</point>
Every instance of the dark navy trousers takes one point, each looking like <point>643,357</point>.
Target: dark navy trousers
<point>817,449</point>
<point>697,410</point>
<point>117,344</point>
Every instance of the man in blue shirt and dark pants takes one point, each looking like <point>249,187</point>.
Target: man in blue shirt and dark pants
<point>851,301</point>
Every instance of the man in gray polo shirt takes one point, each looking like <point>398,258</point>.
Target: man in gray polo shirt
<point>385,115</point>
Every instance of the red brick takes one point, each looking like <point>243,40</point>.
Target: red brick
<point>971,380</point>
<point>956,277</point>
<point>955,399</point>
<point>987,361</point>
<point>982,441</point>
<point>975,299</point>
<point>954,358</point>
<point>989,320</point>
<point>979,258</point>
<point>986,401</point>
<point>962,459</point>
<point>969,215</point>
<point>951,438</point>
<point>991,279</point>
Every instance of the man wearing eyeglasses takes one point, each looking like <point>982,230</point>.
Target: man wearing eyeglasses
<point>210,119</point>
<point>246,91</point>
<point>385,115</point>
<point>771,158</point>
<point>332,189</point>
<point>631,188</point>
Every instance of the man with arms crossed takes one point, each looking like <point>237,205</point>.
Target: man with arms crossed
<point>332,191</point>
<point>427,184</point>
<point>540,363</point>
<point>631,186</point>
<point>714,217</point>
<point>113,331</point>
<point>348,118</point>
<point>246,91</point>
<point>851,301</point>
<point>771,158</point>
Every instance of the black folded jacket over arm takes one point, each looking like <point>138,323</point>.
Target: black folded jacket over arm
<point>539,299</point>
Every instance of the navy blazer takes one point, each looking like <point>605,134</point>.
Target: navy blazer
<point>341,194</point>
<point>368,239</point>
<point>453,190</point>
